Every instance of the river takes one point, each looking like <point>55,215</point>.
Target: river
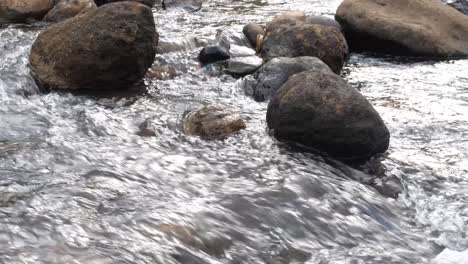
<point>78,184</point>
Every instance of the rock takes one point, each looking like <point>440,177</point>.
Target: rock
<point>211,54</point>
<point>318,109</point>
<point>241,51</point>
<point>65,9</point>
<point>251,31</point>
<point>19,11</point>
<point>212,122</point>
<point>415,27</point>
<point>294,38</point>
<point>149,3</point>
<point>228,38</point>
<point>108,48</point>
<point>289,15</point>
<point>460,5</point>
<point>188,5</point>
<point>323,21</point>
<point>276,72</point>
<point>242,66</point>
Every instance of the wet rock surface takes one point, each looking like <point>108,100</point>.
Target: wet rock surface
<point>272,75</point>
<point>109,48</point>
<point>419,27</point>
<point>318,109</point>
<point>20,11</point>
<point>212,122</point>
<point>293,38</point>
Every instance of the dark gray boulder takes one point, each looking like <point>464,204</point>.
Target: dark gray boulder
<point>318,109</point>
<point>273,74</point>
<point>108,48</point>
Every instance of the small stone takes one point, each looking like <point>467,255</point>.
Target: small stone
<point>243,66</point>
<point>212,122</point>
<point>251,31</point>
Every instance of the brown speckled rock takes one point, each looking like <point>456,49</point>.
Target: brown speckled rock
<point>212,122</point>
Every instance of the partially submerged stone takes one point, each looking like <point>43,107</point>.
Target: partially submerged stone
<point>212,122</point>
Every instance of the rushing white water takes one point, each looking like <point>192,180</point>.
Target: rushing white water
<point>79,185</point>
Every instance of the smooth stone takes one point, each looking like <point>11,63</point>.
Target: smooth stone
<point>320,111</point>
<point>109,48</point>
<point>211,54</point>
<point>276,72</point>
<point>65,9</point>
<point>412,27</point>
<point>243,66</point>
<point>212,122</point>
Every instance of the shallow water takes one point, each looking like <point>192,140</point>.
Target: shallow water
<point>79,185</point>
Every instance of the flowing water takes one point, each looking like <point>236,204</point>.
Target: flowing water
<point>79,185</point>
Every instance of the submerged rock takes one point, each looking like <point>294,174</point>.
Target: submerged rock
<point>212,122</point>
<point>211,54</point>
<point>108,48</point>
<point>273,74</point>
<point>149,3</point>
<point>318,109</point>
<point>20,11</point>
<point>65,9</point>
<point>417,27</point>
<point>294,38</point>
<point>188,5</point>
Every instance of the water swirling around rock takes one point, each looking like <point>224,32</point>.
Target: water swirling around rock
<point>79,185</point>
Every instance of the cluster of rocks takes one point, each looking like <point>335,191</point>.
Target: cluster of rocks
<point>22,11</point>
<point>294,61</point>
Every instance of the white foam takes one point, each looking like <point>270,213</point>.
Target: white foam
<point>448,256</point>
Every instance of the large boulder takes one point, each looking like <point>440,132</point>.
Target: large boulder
<point>272,75</point>
<point>416,27</point>
<point>291,37</point>
<point>108,48</point>
<point>318,109</point>
<point>65,9</point>
<point>149,3</point>
<point>19,11</point>
<point>212,122</point>
<point>323,21</point>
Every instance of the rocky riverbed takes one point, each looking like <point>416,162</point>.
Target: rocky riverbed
<point>116,178</point>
